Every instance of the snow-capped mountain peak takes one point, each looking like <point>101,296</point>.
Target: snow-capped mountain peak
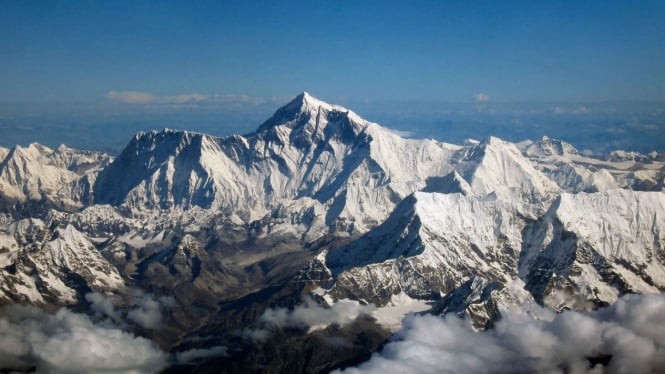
<point>39,174</point>
<point>306,110</point>
<point>550,147</point>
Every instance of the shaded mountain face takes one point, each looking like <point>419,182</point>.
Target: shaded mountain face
<point>319,208</point>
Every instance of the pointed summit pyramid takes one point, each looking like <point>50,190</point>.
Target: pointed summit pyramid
<point>306,107</point>
<point>306,120</point>
<point>310,161</point>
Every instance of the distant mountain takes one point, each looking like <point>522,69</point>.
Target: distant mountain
<point>60,178</point>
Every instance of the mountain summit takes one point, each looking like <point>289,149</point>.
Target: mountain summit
<point>310,156</point>
<point>320,204</point>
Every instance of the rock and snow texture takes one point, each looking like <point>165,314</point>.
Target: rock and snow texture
<point>310,161</point>
<point>597,246</point>
<point>432,218</point>
<point>574,172</point>
<point>42,265</point>
<point>587,250</point>
<point>61,178</point>
<point>431,244</point>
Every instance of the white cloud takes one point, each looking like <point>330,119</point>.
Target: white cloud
<point>67,342</point>
<point>313,316</point>
<point>148,310</point>
<point>481,97</point>
<point>196,354</point>
<point>631,333</point>
<point>308,315</point>
<point>131,97</point>
<point>581,109</point>
<point>103,307</point>
<point>138,97</point>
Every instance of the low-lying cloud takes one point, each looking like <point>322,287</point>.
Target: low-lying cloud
<point>309,315</point>
<point>146,310</point>
<point>200,353</point>
<point>313,316</point>
<point>68,342</point>
<point>630,334</point>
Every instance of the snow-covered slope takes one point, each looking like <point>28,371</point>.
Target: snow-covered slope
<point>61,178</point>
<point>585,251</point>
<point>43,265</point>
<point>431,244</point>
<point>598,246</point>
<point>497,167</point>
<point>309,157</point>
<point>3,152</point>
<point>574,172</point>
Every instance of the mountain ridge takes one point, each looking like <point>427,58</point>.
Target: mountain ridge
<point>319,203</point>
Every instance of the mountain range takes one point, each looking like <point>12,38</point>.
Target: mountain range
<point>319,208</point>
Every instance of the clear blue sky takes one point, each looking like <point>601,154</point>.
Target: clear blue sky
<point>410,50</point>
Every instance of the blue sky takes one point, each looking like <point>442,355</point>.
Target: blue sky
<point>72,51</point>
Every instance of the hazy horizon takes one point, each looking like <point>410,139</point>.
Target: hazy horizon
<point>107,125</point>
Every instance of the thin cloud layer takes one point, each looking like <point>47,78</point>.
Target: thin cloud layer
<point>186,100</point>
<point>68,342</point>
<point>308,315</point>
<point>630,334</point>
<point>313,316</point>
<point>139,97</point>
<point>197,354</point>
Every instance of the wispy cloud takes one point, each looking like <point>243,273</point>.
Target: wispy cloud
<point>309,315</point>
<point>481,97</point>
<point>197,354</point>
<point>581,109</point>
<point>313,316</point>
<point>139,97</point>
<point>146,309</point>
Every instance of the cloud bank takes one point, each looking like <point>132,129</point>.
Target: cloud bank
<point>630,334</point>
<point>68,342</point>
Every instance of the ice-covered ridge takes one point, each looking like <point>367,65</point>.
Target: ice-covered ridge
<point>60,177</point>
<point>576,172</point>
<point>309,155</point>
<point>601,245</point>
<point>431,243</point>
